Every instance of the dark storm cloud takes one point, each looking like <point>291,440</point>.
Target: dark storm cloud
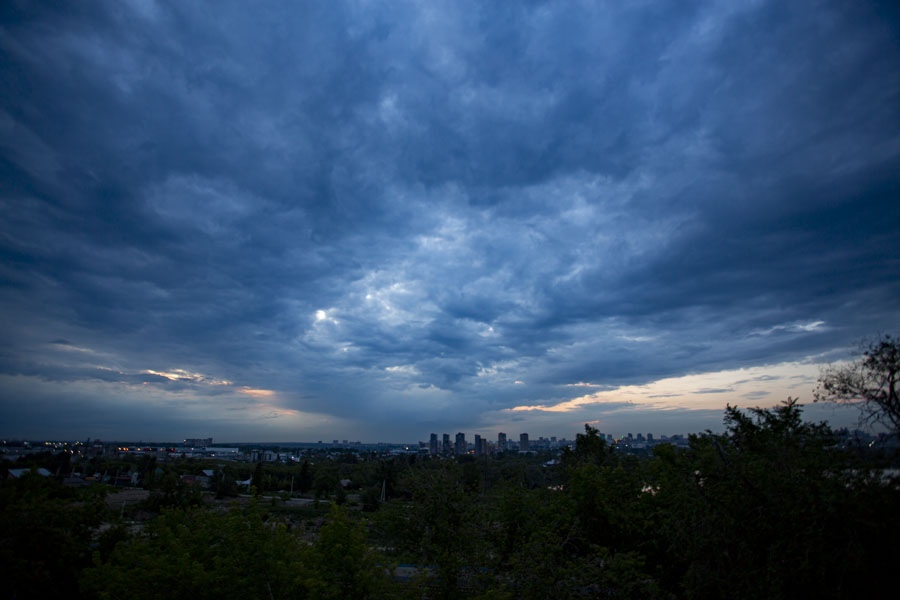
<point>401,215</point>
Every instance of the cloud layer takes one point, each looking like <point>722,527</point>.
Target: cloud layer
<point>373,221</point>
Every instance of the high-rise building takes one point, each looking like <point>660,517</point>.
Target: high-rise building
<point>501,442</point>
<point>197,442</point>
<point>446,446</point>
<point>433,444</point>
<point>461,446</point>
<point>523,442</point>
<point>484,446</point>
<point>477,444</point>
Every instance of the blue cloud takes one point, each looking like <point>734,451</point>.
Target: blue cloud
<point>396,216</point>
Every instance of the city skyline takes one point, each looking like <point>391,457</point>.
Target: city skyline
<point>440,440</point>
<point>375,221</point>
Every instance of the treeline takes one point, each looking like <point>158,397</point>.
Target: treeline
<point>774,507</point>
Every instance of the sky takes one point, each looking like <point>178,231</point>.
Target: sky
<point>303,221</point>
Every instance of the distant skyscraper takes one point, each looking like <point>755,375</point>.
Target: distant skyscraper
<point>446,445</point>
<point>523,442</point>
<point>501,442</point>
<point>433,444</point>
<point>461,446</point>
<point>477,444</point>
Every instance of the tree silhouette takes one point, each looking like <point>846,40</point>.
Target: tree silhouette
<point>870,382</point>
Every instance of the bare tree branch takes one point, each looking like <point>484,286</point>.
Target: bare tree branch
<point>871,382</point>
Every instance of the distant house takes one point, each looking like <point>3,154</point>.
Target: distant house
<point>205,478</point>
<point>75,480</point>
<point>17,473</point>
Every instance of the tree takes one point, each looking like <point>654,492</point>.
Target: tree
<point>174,491</point>
<point>343,564</point>
<point>589,447</point>
<point>871,382</point>
<point>326,480</point>
<point>772,508</point>
<point>441,527</point>
<point>257,479</point>
<point>45,535</point>
<point>199,554</point>
<point>305,479</point>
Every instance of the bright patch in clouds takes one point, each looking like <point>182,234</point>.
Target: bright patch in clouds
<point>793,328</point>
<point>256,393</point>
<point>741,387</point>
<point>323,316</point>
<point>402,370</point>
<point>183,375</point>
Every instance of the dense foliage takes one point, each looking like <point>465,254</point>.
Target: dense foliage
<point>773,507</point>
<point>46,531</point>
